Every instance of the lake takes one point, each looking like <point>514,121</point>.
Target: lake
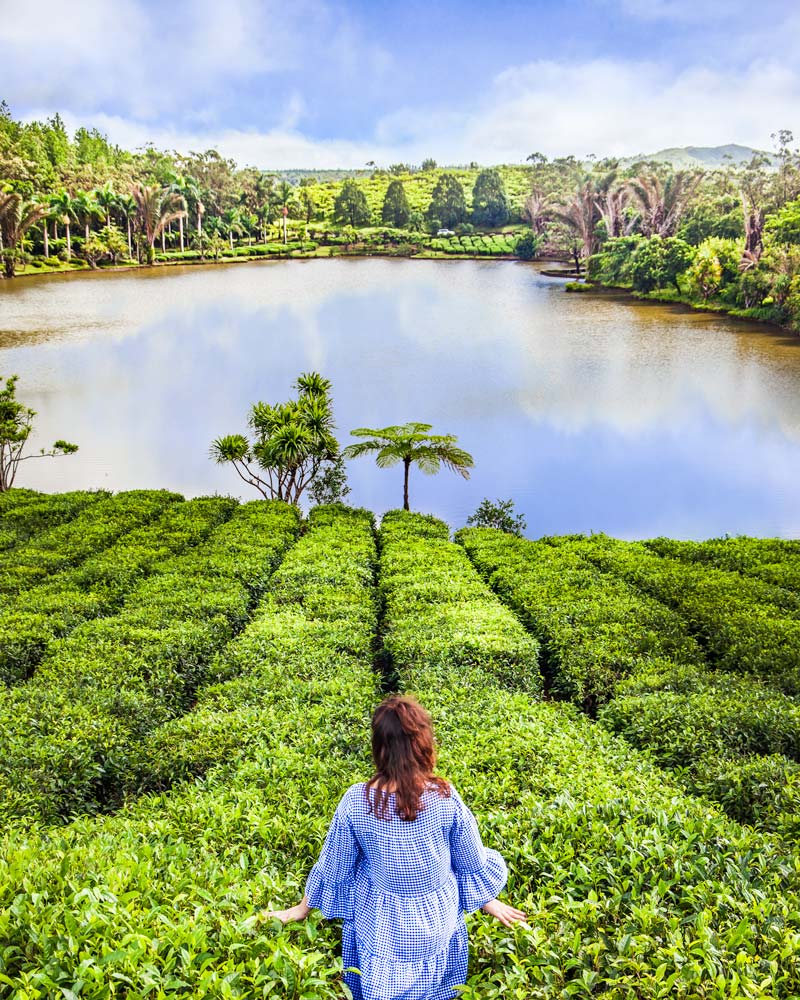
<point>593,412</point>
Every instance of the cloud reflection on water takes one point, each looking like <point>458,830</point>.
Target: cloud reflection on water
<point>593,413</point>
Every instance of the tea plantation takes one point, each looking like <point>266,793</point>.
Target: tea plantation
<point>186,692</point>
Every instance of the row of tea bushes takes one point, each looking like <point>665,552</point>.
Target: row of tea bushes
<point>97,586</point>
<point>439,610</point>
<point>176,879</point>
<point>745,625</point>
<point>311,639</point>
<point>631,888</point>
<point>488,245</point>
<point>24,513</point>
<point>98,525</point>
<point>772,560</point>
<point>731,739</point>
<point>68,733</point>
<point>594,629</point>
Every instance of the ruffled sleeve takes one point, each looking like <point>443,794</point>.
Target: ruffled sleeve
<point>331,882</point>
<point>481,872</point>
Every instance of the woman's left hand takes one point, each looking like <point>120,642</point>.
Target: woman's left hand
<point>507,915</point>
<point>297,912</point>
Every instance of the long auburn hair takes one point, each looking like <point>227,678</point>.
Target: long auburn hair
<point>404,755</point>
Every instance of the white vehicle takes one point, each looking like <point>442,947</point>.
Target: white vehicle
<point>445,232</point>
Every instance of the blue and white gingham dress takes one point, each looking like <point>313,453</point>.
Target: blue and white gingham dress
<point>402,889</point>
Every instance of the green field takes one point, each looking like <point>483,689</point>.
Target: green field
<point>186,692</point>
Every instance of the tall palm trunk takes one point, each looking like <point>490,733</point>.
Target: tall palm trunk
<point>163,242</point>
<point>130,244</point>
<point>406,467</point>
<point>180,223</point>
<point>69,243</point>
<point>46,243</point>
<point>86,226</point>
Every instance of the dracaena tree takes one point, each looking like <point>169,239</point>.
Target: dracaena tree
<point>411,444</point>
<point>291,444</point>
<point>16,424</point>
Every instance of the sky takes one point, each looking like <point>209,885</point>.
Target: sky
<point>339,83</point>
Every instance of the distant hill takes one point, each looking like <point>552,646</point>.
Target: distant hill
<point>710,157</point>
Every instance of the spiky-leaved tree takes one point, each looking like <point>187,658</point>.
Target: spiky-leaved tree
<point>156,207</point>
<point>292,444</point>
<point>663,202</point>
<point>411,444</point>
<point>16,217</point>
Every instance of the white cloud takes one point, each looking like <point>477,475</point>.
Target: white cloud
<point>150,61</point>
<point>604,107</point>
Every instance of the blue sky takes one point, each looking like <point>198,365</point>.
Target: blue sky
<point>329,83</point>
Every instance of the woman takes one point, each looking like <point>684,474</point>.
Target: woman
<point>401,864</point>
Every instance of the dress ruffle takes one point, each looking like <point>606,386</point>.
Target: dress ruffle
<point>334,899</point>
<point>477,888</point>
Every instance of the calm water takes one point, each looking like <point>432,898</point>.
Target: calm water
<point>593,413</point>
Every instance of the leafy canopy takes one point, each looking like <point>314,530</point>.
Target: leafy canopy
<point>448,204</point>
<point>293,442</point>
<point>489,201</point>
<point>16,424</point>
<point>411,443</point>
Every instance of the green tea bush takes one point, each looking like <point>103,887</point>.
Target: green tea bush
<point>97,525</point>
<point>311,638</point>
<point>439,611</point>
<point>97,586</point>
<point>24,513</point>
<point>745,625</point>
<point>593,628</point>
<point>631,888</point>
<point>772,560</point>
<point>70,731</point>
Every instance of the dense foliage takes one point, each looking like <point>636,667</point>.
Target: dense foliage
<point>631,887</point>
<point>681,661</point>
<point>723,239</point>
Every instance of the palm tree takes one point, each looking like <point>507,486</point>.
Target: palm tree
<point>156,207</point>
<point>233,223</point>
<point>106,198</point>
<point>16,217</point>
<point>126,206</point>
<point>187,188</point>
<point>662,203</point>
<point>63,206</point>
<point>611,205</point>
<point>536,210</point>
<point>581,215</point>
<point>86,210</point>
<point>409,443</point>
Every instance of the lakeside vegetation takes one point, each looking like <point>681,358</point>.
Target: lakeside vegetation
<point>145,825</point>
<point>725,238</point>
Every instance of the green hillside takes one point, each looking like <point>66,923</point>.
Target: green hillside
<point>187,693</point>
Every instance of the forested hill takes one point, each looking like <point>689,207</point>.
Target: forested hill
<point>709,157</point>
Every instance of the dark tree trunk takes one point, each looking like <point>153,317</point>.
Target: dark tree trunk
<point>407,466</point>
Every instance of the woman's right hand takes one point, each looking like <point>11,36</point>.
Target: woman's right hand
<point>507,915</point>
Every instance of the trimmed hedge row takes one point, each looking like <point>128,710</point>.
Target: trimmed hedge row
<point>98,586</point>
<point>772,560</point>
<point>95,527</point>
<point>631,888</point>
<point>23,513</point>
<point>68,732</point>
<point>745,625</point>
<point>176,878</point>
<point>439,611</point>
<point>594,629</point>
<point>311,638</point>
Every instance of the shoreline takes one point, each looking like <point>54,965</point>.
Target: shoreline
<point>585,287</point>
